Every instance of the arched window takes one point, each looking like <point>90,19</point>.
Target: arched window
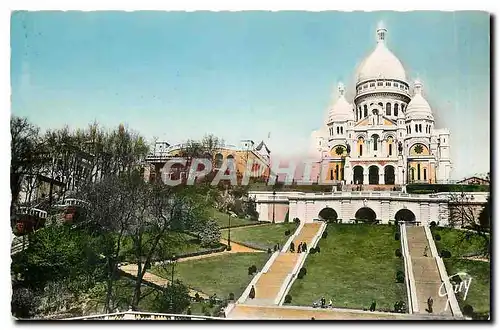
<point>390,149</point>
<point>388,109</point>
<point>338,131</point>
<point>416,128</point>
<point>403,107</point>
<point>375,141</point>
<point>409,129</point>
<point>342,130</point>
<point>425,174</point>
<point>361,150</point>
<point>420,128</point>
<point>366,110</point>
<point>337,172</point>
<point>396,108</point>
<point>418,171</point>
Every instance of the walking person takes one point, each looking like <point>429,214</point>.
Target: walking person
<point>299,248</point>
<point>430,302</point>
<point>425,251</point>
<point>305,247</point>
<point>292,247</point>
<point>252,293</point>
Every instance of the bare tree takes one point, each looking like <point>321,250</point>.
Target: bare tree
<point>26,155</point>
<point>161,209</point>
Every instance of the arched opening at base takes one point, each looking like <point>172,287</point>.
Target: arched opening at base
<point>366,214</point>
<point>405,215</point>
<point>328,214</point>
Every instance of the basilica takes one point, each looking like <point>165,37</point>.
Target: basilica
<point>386,134</point>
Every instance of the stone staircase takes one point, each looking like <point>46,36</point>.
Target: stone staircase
<point>425,272</point>
<point>307,234</point>
<point>268,285</point>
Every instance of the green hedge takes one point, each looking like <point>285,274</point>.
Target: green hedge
<point>436,188</point>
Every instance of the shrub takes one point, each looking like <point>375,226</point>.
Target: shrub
<point>398,253</point>
<point>197,297</point>
<point>287,233</point>
<point>437,237</point>
<point>433,224</point>
<point>400,307</point>
<point>400,276</point>
<point>287,219</point>
<point>397,236</point>
<point>269,250</point>
<point>318,250</point>
<point>312,250</point>
<point>288,299</point>
<point>302,273</point>
<point>296,221</point>
<point>445,254</point>
<point>324,235</point>
<point>229,248</point>
<point>254,268</point>
<point>231,296</point>
<point>250,271</point>
<point>468,310</point>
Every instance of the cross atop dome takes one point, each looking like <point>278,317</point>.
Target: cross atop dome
<point>381,31</point>
<point>418,86</point>
<point>341,88</point>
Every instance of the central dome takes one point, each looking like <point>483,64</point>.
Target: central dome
<point>381,63</point>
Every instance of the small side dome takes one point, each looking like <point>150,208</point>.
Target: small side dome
<point>341,110</point>
<point>419,108</point>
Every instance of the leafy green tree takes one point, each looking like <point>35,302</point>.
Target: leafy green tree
<point>209,233</point>
<point>173,299</point>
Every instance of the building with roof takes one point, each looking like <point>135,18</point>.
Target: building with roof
<point>245,157</point>
<point>386,133</point>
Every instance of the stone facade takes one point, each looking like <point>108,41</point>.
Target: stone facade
<point>385,206</point>
<point>386,133</point>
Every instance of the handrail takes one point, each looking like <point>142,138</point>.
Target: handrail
<point>452,299</point>
<point>254,280</point>
<point>407,279</point>
<point>286,247</point>
<point>287,284</point>
<point>407,260</point>
<point>135,314</point>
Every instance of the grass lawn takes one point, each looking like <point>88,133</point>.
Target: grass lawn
<point>220,274</point>
<point>479,291</point>
<point>223,219</point>
<point>356,265</point>
<point>178,244</point>
<point>262,237</point>
<point>452,240</point>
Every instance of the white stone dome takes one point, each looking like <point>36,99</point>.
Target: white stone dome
<point>341,110</point>
<point>381,63</point>
<point>418,108</point>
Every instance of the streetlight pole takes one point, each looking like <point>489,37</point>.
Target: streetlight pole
<point>172,285</point>
<point>229,232</point>
<point>274,203</point>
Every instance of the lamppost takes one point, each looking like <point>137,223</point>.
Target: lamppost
<point>274,197</point>
<point>172,262</point>
<point>229,232</point>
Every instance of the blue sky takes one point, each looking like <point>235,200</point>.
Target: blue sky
<point>242,75</point>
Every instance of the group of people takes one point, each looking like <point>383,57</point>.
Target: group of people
<point>322,303</point>
<point>301,248</point>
